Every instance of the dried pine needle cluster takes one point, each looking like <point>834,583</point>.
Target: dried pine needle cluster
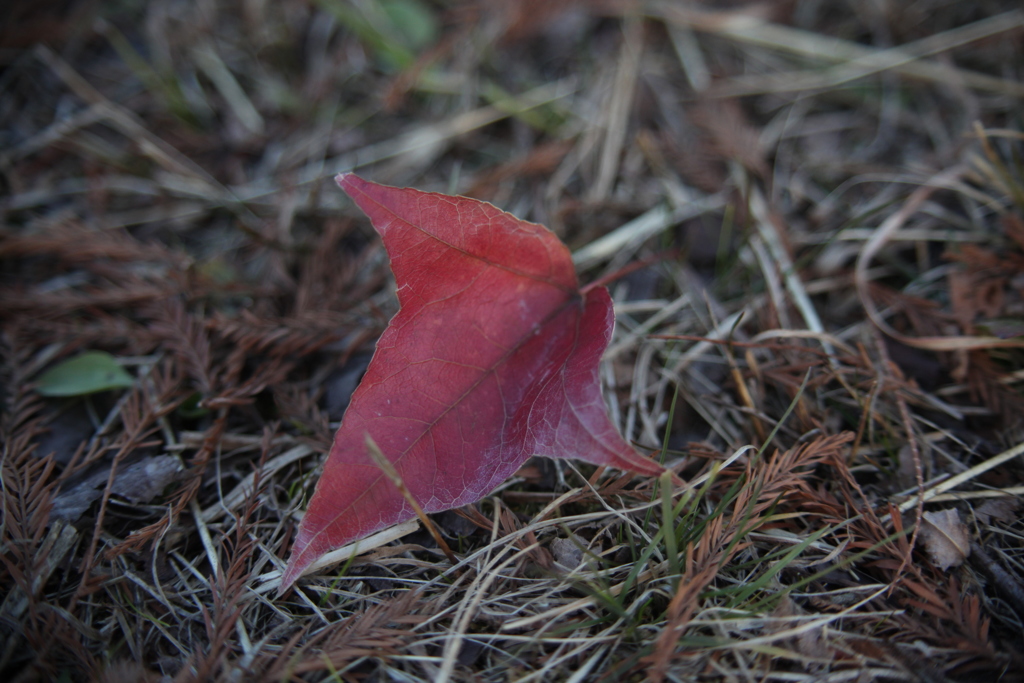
<point>812,223</point>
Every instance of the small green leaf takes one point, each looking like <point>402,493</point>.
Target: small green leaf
<point>413,20</point>
<point>86,373</point>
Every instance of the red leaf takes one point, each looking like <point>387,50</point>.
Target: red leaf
<point>492,358</point>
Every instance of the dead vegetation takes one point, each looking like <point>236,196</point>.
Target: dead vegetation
<point>811,217</point>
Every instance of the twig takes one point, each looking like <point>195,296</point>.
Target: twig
<point>908,428</point>
<point>391,473</point>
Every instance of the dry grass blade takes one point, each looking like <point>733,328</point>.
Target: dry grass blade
<point>878,240</point>
<point>965,476</point>
<point>857,61</point>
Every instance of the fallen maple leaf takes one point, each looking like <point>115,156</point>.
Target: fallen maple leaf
<point>492,358</point>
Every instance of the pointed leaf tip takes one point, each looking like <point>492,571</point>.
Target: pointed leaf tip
<point>492,357</point>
